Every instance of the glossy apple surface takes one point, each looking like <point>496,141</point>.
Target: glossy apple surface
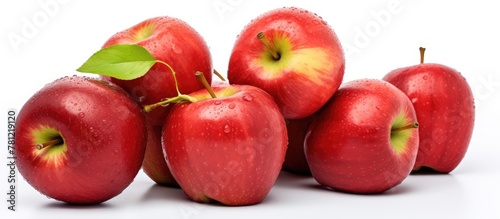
<point>295,159</point>
<point>445,109</point>
<point>175,42</point>
<point>228,149</point>
<point>154,164</point>
<point>357,142</point>
<point>98,133</point>
<point>310,63</point>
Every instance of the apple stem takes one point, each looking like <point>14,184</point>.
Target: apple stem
<point>204,81</point>
<point>219,75</point>
<point>262,37</point>
<point>422,52</point>
<point>52,142</point>
<point>409,126</point>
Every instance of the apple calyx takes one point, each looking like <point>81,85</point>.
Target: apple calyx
<point>53,142</point>
<point>422,52</point>
<point>270,46</point>
<point>409,126</point>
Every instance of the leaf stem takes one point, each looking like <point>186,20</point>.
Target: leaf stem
<point>178,99</point>
<point>173,74</point>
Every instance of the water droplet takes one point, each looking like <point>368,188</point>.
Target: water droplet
<point>217,102</point>
<point>265,136</point>
<point>227,129</point>
<point>232,106</point>
<point>176,49</point>
<point>116,150</point>
<point>81,114</point>
<point>425,77</point>
<point>247,98</point>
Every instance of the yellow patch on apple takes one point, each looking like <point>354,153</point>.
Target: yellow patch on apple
<point>309,62</point>
<point>53,154</point>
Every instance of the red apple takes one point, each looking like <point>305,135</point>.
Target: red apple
<point>365,139</point>
<point>295,159</point>
<point>154,164</point>
<point>293,55</point>
<point>80,140</point>
<point>175,42</point>
<point>445,109</point>
<point>228,149</point>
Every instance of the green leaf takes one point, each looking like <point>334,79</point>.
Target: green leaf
<point>122,61</point>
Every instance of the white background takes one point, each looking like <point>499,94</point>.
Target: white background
<point>460,34</point>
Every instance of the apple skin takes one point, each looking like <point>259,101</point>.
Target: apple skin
<point>295,159</point>
<point>228,149</point>
<point>349,146</point>
<point>154,164</point>
<point>311,66</point>
<point>175,42</point>
<point>104,135</point>
<point>445,109</point>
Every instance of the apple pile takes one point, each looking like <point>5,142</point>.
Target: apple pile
<point>82,140</point>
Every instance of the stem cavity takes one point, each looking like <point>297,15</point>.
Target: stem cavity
<point>262,37</point>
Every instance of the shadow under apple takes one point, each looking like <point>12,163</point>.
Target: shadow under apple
<point>397,190</point>
<point>65,205</point>
<point>426,171</point>
<point>159,192</point>
<point>287,179</point>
